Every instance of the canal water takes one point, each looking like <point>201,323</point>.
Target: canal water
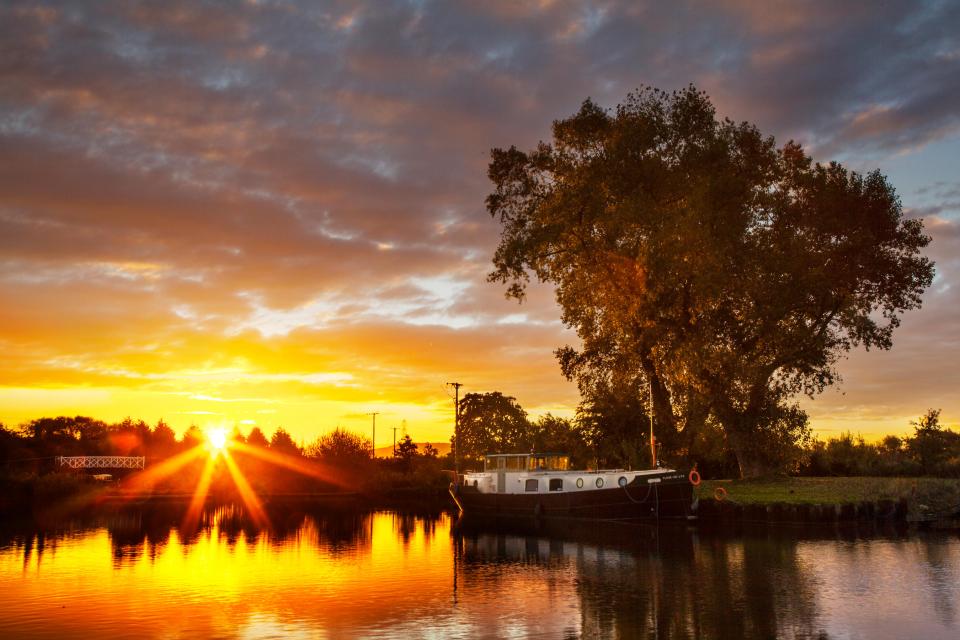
<point>349,574</point>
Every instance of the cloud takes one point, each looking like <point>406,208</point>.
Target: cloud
<point>188,187</point>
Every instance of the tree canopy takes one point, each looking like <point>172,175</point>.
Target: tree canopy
<point>491,423</point>
<point>282,441</point>
<point>406,448</point>
<point>495,423</point>
<point>694,254</point>
<point>340,447</point>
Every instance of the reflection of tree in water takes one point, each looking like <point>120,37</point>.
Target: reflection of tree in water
<point>406,524</point>
<point>755,586</point>
<point>127,537</point>
<point>232,523</point>
<point>342,532</point>
<point>937,572</point>
<point>32,540</point>
<point>146,530</point>
<point>672,584</point>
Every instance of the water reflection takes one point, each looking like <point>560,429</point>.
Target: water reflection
<point>350,573</point>
<point>649,582</point>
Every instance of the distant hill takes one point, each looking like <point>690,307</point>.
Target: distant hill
<point>387,452</point>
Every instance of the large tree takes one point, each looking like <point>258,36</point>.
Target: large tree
<point>728,273</point>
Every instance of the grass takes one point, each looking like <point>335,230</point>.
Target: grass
<point>936,494</point>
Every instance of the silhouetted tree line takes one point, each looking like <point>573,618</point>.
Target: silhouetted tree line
<point>610,434</point>
<point>932,450</point>
<point>336,461</point>
<point>613,431</point>
<point>35,444</point>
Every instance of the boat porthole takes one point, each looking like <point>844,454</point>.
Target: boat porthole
<point>599,482</point>
<point>579,483</point>
<point>622,481</point>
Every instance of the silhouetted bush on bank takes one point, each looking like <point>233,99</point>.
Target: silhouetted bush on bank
<point>931,451</point>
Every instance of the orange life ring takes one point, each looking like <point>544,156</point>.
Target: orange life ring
<point>694,477</point>
<point>720,494</point>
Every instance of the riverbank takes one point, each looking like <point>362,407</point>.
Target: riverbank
<point>797,500</point>
<point>830,499</point>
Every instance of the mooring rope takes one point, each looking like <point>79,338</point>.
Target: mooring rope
<point>645,498</point>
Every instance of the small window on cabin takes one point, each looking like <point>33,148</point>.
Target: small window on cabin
<point>556,484</point>
<point>533,484</point>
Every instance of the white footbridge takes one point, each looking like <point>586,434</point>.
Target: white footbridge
<point>101,462</point>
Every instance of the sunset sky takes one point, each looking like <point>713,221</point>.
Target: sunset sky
<point>272,213</point>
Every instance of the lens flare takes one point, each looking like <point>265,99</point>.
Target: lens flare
<point>217,440</point>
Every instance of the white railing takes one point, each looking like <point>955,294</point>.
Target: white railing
<point>101,462</point>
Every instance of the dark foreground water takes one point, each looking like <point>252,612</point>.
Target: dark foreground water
<point>139,574</point>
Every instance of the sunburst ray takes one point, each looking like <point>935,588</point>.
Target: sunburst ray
<point>199,498</point>
<point>301,466</point>
<point>247,494</point>
<point>138,484</point>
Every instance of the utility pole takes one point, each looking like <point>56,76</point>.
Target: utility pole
<point>653,442</point>
<point>456,427</point>
<point>395,440</point>
<point>373,439</point>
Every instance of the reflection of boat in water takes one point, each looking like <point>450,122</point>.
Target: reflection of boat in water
<point>542,484</point>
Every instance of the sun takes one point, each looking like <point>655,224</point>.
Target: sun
<point>217,440</point>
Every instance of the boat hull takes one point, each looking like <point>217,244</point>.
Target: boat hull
<point>668,496</point>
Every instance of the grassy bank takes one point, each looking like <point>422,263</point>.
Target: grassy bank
<point>933,495</point>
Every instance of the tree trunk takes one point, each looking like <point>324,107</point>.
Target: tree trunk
<point>696,415</point>
<point>750,460</point>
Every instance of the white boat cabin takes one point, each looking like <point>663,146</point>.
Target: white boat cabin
<point>518,473</point>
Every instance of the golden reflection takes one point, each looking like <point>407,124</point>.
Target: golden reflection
<point>330,575</point>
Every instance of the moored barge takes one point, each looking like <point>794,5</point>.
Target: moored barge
<point>543,485</point>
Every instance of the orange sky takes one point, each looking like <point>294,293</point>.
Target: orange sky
<point>273,215</point>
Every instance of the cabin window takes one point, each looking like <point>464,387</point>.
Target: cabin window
<point>622,481</point>
<point>556,484</point>
<point>516,463</point>
<point>579,483</point>
<point>548,463</point>
<point>533,484</point>
<point>599,482</point>
<point>505,462</point>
